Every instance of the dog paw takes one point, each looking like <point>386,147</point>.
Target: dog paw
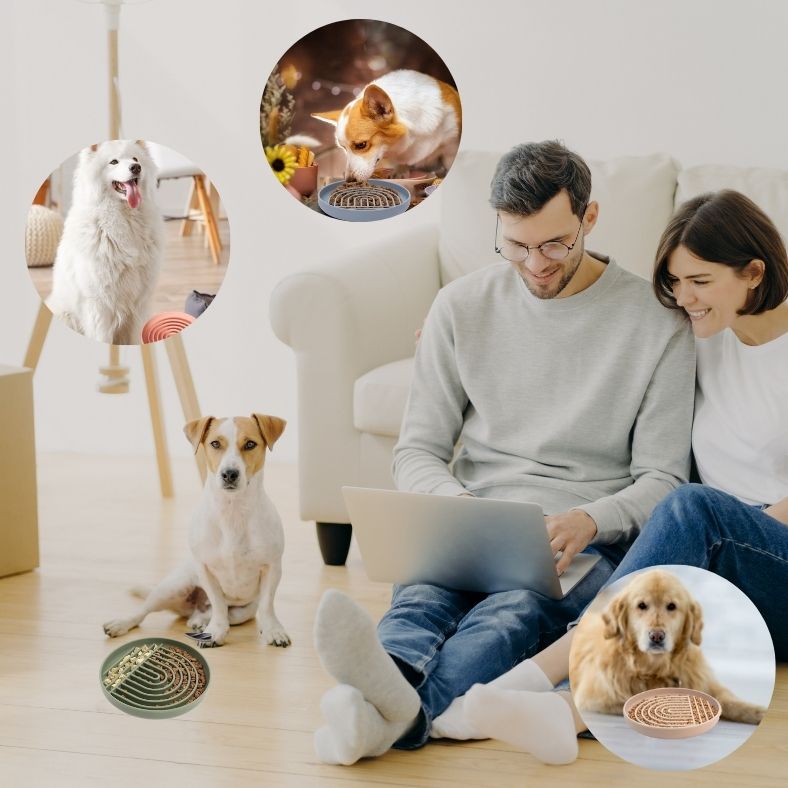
<point>756,715</point>
<point>197,622</point>
<point>215,634</point>
<point>276,637</point>
<point>117,627</point>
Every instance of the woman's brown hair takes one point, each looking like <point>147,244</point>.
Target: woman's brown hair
<point>728,228</point>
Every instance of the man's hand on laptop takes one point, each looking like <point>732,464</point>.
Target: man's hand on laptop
<point>570,533</point>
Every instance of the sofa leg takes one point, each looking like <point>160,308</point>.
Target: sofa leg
<point>334,541</point>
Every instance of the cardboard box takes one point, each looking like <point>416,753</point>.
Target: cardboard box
<point>18,501</point>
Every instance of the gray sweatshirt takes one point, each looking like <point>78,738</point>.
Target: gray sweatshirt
<point>582,402</point>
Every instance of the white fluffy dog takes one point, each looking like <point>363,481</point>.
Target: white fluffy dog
<point>109,256</point>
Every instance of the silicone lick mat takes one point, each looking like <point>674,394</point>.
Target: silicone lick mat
<point>365,201</point>
<point>155,678</point>
<point>165,325</point>
<point>672,712</point>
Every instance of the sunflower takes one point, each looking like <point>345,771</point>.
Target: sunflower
<point>282,162</point>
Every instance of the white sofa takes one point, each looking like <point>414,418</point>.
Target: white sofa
<point>351,322</point>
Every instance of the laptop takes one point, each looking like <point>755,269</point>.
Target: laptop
<point>464,543</point>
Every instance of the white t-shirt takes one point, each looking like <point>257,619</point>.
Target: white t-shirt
<point>740,433</point>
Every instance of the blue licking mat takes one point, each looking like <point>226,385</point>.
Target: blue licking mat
<point>365,201</point>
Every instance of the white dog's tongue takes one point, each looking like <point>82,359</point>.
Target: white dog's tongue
<point>133,193</point>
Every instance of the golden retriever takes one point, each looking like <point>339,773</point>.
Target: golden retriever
<point>648,636</point>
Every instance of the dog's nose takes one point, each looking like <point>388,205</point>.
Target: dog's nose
<point>136,169</point>
<point>657,636</point>
<point>230,475</point>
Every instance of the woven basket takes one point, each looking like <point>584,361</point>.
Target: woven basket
<point>42,235</point>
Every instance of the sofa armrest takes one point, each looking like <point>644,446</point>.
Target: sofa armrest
<point>342,320</point>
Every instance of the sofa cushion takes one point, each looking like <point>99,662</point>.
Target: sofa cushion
<point>768,188</point>
<point>379,398</point>
<point>635,195</point>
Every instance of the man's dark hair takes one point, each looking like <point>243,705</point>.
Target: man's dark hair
<point>531,174</point>
<point>728,228</point>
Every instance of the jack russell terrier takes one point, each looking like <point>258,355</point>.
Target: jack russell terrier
<point>406,116</point>
<point>236,539</point>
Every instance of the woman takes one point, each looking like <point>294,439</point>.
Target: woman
<point>722,261</point>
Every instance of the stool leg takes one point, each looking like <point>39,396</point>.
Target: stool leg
<point>334,541</point>
<point>37,338</point>
<point>157,420</point>
<point>184,383</point>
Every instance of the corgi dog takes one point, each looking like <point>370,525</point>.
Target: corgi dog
<point>406,116</point>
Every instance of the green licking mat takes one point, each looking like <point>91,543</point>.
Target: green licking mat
<point>155,678</point>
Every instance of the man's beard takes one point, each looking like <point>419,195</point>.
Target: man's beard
<point>570,270</point>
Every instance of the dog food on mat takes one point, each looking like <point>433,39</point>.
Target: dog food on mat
<point>672,713</point>
<point>154,678</point>
<point>362,195</point>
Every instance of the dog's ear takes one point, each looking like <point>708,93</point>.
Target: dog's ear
<point>270,427</point>
<point>93,148</point>
<point>141,143</point>
<point>377,105</point>
<point>196,430</point>
<point>328,117</point>
<point>615,618</point>
<point>693,624</point>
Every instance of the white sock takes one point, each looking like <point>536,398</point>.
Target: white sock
<point>347,643</point>
<point>541,723</point>
<point>454,722</point>
<point>355,728</point>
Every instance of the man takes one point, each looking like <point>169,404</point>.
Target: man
<point>569,386</point>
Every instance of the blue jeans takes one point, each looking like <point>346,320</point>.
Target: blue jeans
<point>701,526</point>
<point>446,641</point>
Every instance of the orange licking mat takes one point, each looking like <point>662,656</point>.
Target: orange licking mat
<point>672,712</point>
<point>164,325</point>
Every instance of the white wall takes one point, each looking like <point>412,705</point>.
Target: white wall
<point>703,80</point>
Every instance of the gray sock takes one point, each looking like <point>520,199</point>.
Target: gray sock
<point>455,723</point>
<point>347,643</point>
<point>355,728</point>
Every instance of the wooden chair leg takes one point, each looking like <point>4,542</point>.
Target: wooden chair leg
<point>210,219</point>
<point>191,205</point>
<point>184,383</point>
<point>42,194</point>
<point>216,207</point>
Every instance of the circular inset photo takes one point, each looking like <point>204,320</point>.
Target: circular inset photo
<point>360,120</point>
<point>672,668</point>
<point>127,242</point>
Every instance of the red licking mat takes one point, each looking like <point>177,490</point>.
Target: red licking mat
<point>164,325</point>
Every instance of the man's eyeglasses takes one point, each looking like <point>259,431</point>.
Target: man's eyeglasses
<point>518,253</point>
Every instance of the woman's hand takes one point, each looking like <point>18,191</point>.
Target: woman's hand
<point>779,511</point>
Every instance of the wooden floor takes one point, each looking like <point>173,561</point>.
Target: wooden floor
<point>104,528</point>
<point>187,266</point>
